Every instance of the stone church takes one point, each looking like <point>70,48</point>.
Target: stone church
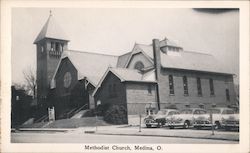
<point>158,76</point>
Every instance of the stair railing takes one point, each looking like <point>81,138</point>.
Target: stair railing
<point>70,114</point>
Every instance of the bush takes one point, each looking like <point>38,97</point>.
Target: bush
<point>101,109</point>
<point>116,114</point>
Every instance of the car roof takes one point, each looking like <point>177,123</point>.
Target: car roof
<point>222,108</point>
<point>168,109</point>
<point>193,109</point>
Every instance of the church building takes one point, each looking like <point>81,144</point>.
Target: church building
<point>158,75</point>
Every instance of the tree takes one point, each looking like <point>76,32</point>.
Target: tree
<point>30,79</point>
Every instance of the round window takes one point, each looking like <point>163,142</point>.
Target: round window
<point>67,79</point>
<point>139,65</point>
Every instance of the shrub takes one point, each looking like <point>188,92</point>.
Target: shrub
<point>101,109</point>
<point>116,114</point>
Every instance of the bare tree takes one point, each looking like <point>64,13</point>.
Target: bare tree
<point>30,79</point>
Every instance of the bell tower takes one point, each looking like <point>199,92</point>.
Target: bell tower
<point>50,44</point>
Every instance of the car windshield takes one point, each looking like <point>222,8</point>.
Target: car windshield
<point>186,111</point>
<point>173,112</point>
<point>215,111</point>
<point>161,112</point>
<point>228,111</point>
<point>199,112</point>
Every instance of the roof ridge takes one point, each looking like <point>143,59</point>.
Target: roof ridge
<point>91,53</point>
<point>125,53</point>
<point>144,44</point>
<point>122,68</point>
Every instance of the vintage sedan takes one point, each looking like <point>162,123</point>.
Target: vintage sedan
<point>159,119</point>
<point>185,119</point>
<point>222,117</point>
<point>229,119</point>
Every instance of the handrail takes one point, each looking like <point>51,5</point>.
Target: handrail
<point>41,119</point>
<point>67,114</point>
<point>76,111</point>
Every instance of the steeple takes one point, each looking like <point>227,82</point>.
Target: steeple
<point>51,30</point>
<point>50,44</point>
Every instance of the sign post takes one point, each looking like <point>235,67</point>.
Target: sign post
<point>51,112</point>
<point>211,117</point>
<point>140,123</point>
<point>96,122</point>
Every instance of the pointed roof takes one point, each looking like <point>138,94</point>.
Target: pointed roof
<point>89,65</point>
<point>51,30</point>
<point>127,75</point>
<point>186,60</point>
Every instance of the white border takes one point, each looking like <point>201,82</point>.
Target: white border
<point>6,7</point>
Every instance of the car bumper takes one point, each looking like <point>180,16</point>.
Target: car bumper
<point>230,125</point>
<point>174,124</point>
<point>203,124</point>
<point>151,123</point>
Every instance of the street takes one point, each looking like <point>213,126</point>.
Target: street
<point>76,137</point>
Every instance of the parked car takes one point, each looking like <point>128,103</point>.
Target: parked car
<point>229,119</point>
<point>159,119</point>
<point>222,117</point>
<point>185,119</point>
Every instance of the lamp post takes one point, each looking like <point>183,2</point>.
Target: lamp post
<point>140,123</point>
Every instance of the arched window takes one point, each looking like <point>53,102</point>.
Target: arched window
<point>139,65</point>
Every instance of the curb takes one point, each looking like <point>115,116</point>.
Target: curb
<point>168,136</point>
<point>40,130</point>
<point>92,132</point>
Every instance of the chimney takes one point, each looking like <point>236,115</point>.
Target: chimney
<point>157,66</point>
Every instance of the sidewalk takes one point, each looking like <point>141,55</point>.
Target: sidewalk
<point>42,130</point>
<point>165,132</point>
<point>134,131</point>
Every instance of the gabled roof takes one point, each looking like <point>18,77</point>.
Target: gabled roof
<point>123,59</point>
<point>148,49</point>
<point>128,75</point>
<point>89,65</point>
<point>194,61</point>
<point>51,30</point>
<point>186,60</point>
<point>140,48</point>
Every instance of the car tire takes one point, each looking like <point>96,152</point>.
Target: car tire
<point>186,125</point>
<point>148,126</point>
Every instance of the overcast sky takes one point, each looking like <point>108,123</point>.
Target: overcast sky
<point>114,31</point>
